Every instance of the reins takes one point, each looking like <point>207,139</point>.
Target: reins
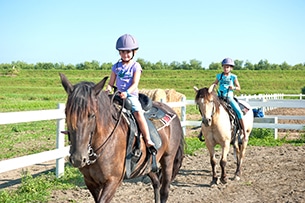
<point>93,156</point>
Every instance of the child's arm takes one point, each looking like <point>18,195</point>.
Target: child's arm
<point>111,82</point>
<point>237,86</point>
<point>135,81</point>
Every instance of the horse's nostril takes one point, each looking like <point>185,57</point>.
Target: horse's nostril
<point>84,160</point>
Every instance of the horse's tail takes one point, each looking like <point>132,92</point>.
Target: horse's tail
<point>178,158</point>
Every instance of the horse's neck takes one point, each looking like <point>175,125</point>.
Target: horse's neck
<point>222,113</point>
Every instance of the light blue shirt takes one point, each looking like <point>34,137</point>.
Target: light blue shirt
<point>224,83</point>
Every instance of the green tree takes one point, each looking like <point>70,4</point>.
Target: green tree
<point>22,65</point>
<point>285,66</point>
<point>158,66</point>
<point>195,64</point>
<point>185,66</point>
<point>238,65</point>
<point>70,66</point>
<point>106,66</point>
<point>46,66</point>
<point>175,65</point>
<point>60,66</point>
<point>215,66</point>
<point>80,66</point>
<point>299,67</point>
<point>5,66</point>
<point>262,65</point>
<point>275,67</point>
<point>249,66</point>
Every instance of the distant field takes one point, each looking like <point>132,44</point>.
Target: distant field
<point>37,89</point>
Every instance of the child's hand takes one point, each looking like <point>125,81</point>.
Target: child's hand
<point>123,95</point>
<point>108,89</point>
<point>231,87</point>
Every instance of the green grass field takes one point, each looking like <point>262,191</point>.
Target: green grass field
<point>37,89</point>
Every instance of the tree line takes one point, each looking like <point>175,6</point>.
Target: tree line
<point>146,65</point>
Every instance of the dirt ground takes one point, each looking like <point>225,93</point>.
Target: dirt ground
<point>270,174</point>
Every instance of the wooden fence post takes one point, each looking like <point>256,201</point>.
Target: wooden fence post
<point>275,129</point>
<point>183,114</point>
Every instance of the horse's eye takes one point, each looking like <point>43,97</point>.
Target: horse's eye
<point>91,116</point>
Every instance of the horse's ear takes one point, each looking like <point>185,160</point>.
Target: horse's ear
<point>66,83</point>
<point>99,86</point>
<point>211,88</point>
<point>196,88</point>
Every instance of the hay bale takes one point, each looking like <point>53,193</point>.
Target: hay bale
<point>155,94</point>
<point>174,96</point>
<point>168,95</point>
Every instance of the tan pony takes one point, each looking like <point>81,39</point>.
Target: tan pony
<point>217,129</point>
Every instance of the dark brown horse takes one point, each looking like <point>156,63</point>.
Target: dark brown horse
<point>98,138</point>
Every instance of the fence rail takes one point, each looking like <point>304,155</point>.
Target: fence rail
<point>30,116</point>
<point>62,151</point>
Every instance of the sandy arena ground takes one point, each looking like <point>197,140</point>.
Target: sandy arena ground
<point>270,174</point>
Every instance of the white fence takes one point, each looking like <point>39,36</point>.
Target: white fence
<point>62,151</point>
<point>270,121</point>
<point>30,116</point>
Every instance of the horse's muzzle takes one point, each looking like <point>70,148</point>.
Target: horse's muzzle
<point>206,121</point>
<point>78,161</point>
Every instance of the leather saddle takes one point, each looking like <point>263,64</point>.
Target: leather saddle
<point>134,150</point>
<point>237,128</point>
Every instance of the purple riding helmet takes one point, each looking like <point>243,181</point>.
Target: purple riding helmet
<point>228,61</point>
<point>126,42</point>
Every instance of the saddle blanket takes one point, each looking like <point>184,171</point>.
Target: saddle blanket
<point>164,121</point>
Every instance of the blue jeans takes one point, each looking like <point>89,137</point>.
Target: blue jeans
<point>236,108</point>
<point>135,104</point>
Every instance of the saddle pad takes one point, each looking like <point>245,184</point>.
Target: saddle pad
<point>164,121</point>
<point>244,106</point>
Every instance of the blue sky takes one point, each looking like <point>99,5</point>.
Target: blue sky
<point>77,31</point>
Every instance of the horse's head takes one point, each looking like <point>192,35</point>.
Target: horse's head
<point>81,111</point>
<point>208,103</point>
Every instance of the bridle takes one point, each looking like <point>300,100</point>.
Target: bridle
<point>204,118</point>
<point>93,156</point>
<point>92,153</point>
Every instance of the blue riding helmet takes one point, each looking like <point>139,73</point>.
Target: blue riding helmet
<point>126,42</point>
<point>228,61</point>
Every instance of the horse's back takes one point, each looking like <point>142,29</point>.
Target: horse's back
<point>248,117</point>
<point>163,106</point>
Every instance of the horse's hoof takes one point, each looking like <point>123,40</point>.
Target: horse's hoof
<point>200,137</point>
<point>223,180</point>
<point>237,178</point>
<point>214,182</point>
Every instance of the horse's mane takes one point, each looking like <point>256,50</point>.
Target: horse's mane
<point>82,102</point>
<point>204,94</point>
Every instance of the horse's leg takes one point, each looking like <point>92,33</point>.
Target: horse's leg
<point>156,185</point>
<point>223,161</point>
<point>94,189</point>
<point>237,148</point>
<point>107,192</point>
<point>167,164</point>
<point>213,164</point>
<point>240,154</point>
